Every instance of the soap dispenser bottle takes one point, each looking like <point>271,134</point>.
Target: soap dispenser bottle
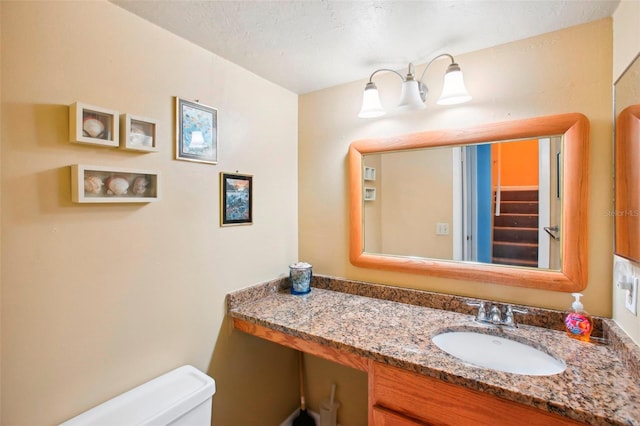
<point>578,323</point>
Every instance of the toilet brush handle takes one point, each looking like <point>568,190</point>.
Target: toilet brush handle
<point>303,405</point>
<point>333,394</point>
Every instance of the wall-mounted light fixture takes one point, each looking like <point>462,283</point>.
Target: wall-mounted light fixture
<point>414,92</point>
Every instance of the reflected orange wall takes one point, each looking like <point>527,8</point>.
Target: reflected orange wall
<point>518,163</point>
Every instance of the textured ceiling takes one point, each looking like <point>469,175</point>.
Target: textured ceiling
<point>310,45</point>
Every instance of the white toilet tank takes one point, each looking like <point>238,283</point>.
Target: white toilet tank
<point>180,397</point>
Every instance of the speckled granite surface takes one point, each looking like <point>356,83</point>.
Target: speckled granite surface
<point>395,327</point>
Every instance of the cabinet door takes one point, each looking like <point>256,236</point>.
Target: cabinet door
<point>384,417</point>
<point>434,402</point>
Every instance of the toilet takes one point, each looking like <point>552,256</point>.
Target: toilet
<point>178,398</point>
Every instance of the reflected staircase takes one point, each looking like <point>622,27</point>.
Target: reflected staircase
<point>515,231</point>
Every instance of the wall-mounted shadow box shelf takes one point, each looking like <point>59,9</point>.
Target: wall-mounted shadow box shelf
<point>369,173</point>
<point>93,125</point>
<point>138,133</point>
<point>99,184</point>
<point>369,194</point>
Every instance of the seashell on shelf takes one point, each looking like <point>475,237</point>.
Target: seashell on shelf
<point>93,185</point>
<point>93,127</point>
<point>117,185</point>
<point>140,185</point>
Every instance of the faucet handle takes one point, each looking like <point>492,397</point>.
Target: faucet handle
<point>482,310</point>
<point>509,319</point>
<point>517,310</point>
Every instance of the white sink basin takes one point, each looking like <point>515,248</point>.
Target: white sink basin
<point>497,353</point>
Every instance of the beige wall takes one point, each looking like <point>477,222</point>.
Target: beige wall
<point>626,47</point>
<point>99,298</point>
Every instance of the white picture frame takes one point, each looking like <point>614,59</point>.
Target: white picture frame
<point>100,184</point>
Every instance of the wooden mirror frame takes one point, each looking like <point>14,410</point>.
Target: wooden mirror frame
<point>627,179</point>
<point>572,275</point>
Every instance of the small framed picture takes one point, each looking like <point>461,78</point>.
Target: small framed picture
<point>196,132</point>
<point>138,133</point>
<point>236,199</point>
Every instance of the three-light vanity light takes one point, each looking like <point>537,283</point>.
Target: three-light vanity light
<point>414,92</point>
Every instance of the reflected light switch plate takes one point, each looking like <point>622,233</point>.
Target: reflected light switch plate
<point>442,228</point>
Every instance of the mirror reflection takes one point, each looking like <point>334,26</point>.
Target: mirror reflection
<point>496,203</point>
<point>627,152</point>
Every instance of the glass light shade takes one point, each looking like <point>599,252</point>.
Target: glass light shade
<point>453,89</point>
<point>371,106</point>
<point>410,95</point>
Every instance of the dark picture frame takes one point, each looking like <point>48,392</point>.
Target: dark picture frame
<point>196,132</point>
<point>236,199</point>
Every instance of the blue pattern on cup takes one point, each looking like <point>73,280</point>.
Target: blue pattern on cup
<point>300,275</point>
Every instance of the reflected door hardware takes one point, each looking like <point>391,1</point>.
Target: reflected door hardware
<point>551,230</point>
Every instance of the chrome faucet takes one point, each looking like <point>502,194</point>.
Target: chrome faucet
<point>495,314</point>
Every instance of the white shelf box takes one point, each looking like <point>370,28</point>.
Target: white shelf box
<point>93,125</point>
<point>98,184</point>
<point>138,133</point>
<point>369,194</point>
<point>369,173</point>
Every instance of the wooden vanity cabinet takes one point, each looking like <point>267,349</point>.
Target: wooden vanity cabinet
<point>399,397</point>
<point>402,398</point>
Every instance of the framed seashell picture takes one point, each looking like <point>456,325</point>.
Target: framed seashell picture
<point>90,124</point>
<point>138,133</point>
<point>98,184</point>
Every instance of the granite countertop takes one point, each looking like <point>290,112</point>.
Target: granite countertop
<point>599,385</point>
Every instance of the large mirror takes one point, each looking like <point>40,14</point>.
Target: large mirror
<point>504,203</point>
<point>627,155</point>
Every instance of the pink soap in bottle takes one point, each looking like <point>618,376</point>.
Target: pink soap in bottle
<point>578,323</point>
